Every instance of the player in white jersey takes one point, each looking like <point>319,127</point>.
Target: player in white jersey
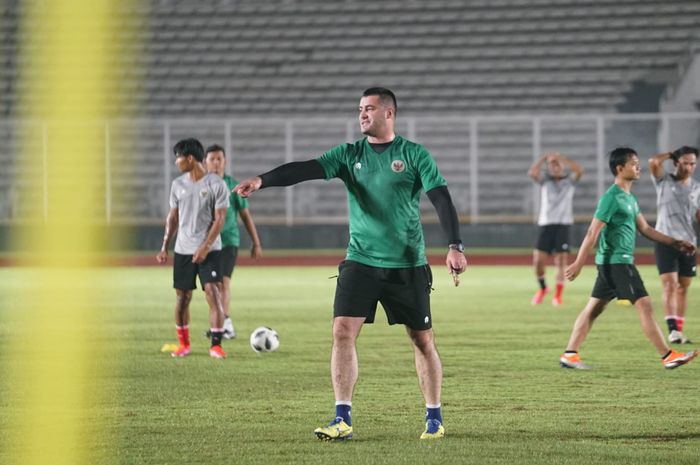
<point>198,205</point>
<point>555,219</point>
<point>678,206</point>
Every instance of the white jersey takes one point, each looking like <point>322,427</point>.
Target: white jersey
<point>556,200</point>
<point>676,206</point>
<point>196,203</point>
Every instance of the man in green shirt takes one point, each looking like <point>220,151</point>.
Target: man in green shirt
<point>614,226</point>
<point>384,175</point>
<point>230,235</point>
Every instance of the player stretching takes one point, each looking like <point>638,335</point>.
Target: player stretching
<point>230,236</point>
<point>555,219</point>
<point>198,204</point>
<point>384,175</point>
<point>615,222</point>
<point>678,204</point>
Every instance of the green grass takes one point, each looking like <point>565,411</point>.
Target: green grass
<point>505,400</point>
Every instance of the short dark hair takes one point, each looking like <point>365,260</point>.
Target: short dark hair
<point>215,148</point>
<point>386,96</point>
<point>189,146</point>
<point>685,150</point>
<point>619,156</point>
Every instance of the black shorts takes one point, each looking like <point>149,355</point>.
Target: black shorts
<point>403,292</point>
<point>553,238</point>
<point>229,254</point>
<point>618,281</point>
<point>670,260</point>
<point>185,272</point>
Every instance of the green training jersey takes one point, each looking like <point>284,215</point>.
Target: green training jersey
<point>618,210</point>
<point>383,199</point>
<point>230,235</point>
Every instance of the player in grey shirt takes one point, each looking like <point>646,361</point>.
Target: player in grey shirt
<point>196,202</point>
<point>678,204</point>
<point>198,205</point>
<point>555,218</point>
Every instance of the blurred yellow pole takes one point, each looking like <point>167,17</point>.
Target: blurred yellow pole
<point>68,50</point>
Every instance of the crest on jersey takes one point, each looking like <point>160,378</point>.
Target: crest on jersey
<point>203,193</point>
<point>398,166</point>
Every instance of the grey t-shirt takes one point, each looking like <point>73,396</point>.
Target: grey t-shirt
<point>676,206</point>
<point>556,200</point>
<point>196,203</point>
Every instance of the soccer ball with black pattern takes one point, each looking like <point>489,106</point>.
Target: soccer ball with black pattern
<point>264,339</point>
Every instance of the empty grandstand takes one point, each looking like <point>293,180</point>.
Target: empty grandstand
<point>486,85</point>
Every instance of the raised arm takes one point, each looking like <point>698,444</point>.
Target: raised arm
<point>284,175</point>
<point>256,248</point>
<point>536,168</point>
<point>442,201</point>
<point>575,168</point>
<point>589,241</point>
<point>656,163</point>
<point>656,236</point>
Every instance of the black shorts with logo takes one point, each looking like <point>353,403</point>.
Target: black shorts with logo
<point>670,260</point>
<point>618,281</point>
<point>403,292</point>
<point>229,254</point>
<point>553,238</point>
<point>185,272</point>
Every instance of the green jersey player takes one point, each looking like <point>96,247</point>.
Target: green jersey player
<point>384,175</point>
<point>230,235</point>
<point>615,223</point>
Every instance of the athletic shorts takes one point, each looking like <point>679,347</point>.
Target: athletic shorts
<point>553,238</point>
<point>670,260</point>
<point>229,254</point>
<point>618,281</point>
<point>185,272</point>
<point>403,292</point>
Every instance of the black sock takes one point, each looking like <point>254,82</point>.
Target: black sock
<point>667,354</point>
<point>672,324</point>
<point>216,338</point>
<point>571,352</point>
<point>543,285</point>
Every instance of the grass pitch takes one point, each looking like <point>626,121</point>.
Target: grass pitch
<point>505,400</point>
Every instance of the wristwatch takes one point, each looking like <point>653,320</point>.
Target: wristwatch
<point>458,246</point>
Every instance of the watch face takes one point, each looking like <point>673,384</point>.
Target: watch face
<point>457,247</point>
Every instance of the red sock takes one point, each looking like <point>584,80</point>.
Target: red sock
<point>560,289</point>
<point>183,335</point>
<point>679,323</point>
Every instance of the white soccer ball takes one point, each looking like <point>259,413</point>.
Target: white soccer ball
<point>264,339</point>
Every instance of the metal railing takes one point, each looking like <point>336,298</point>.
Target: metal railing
<point>484,158</point>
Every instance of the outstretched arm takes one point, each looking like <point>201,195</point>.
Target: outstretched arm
<point>284,175</point>
<point>573,270</point>
<point>656,236</point>
<point>442,201</point>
